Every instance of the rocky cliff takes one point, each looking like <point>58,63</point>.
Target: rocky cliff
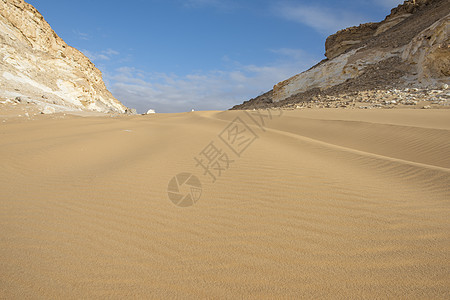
<point>37,65</point>
<point>410,48</point>
<point>348,38</point>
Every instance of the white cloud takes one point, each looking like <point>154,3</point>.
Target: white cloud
<point>294,54</point>
<point>102,55</point>
<point>209,90</point>
<point>82,35</point>
<point>110,52</point>
<point>324,20</point>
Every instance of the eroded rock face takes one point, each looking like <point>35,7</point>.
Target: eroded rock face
<point>348,38</point>
<point>410,48</point>
<point>352,51</point>
<point>331,73</point>
<point>343,40</point>
<point>35,62</point>
<point>429,53</point>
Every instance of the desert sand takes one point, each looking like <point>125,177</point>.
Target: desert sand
<point>323,203</point>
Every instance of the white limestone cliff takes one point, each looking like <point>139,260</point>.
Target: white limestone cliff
<point>37,64</point>
<point>425,53</point>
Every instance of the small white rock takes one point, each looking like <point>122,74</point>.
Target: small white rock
<point>151,111</point>
<point>48,110</point>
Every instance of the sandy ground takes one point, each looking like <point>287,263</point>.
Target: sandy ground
<point>320,203</point>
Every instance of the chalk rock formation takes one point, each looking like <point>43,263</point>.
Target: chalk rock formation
<point>345,39</point>
<point>429,52</point>
<point>36,63</point>
<point>410,47</point>
<point>339,42</point>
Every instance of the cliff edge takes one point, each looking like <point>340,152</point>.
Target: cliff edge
<point>38,67</point>
<point>409,49</point>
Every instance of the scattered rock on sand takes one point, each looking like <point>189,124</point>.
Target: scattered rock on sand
<point>48,110</point>
<point>131,111</point>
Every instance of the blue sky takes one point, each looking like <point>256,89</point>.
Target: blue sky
<point>175,55</point>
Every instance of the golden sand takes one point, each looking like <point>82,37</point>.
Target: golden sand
<point>323,203</point>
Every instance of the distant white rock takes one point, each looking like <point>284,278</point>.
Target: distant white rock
<point>151,111</point>
<point>192,110</point>
<point>48,110</point>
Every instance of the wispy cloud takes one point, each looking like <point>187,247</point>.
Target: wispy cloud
<point>81,35</point>
<point>294,54</point>
<point>209,90</point>
<point>102,55</point>
<point>324,20</point>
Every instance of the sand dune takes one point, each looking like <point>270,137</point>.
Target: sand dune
<point>324,203</point>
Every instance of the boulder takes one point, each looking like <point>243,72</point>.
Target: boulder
<point>131,111</point>
<point>48,110</point>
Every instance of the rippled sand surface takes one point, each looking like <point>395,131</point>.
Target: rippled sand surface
<point>318,203</point>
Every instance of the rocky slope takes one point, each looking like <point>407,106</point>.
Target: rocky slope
<point>38,67</point>
<point>409,49</point>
